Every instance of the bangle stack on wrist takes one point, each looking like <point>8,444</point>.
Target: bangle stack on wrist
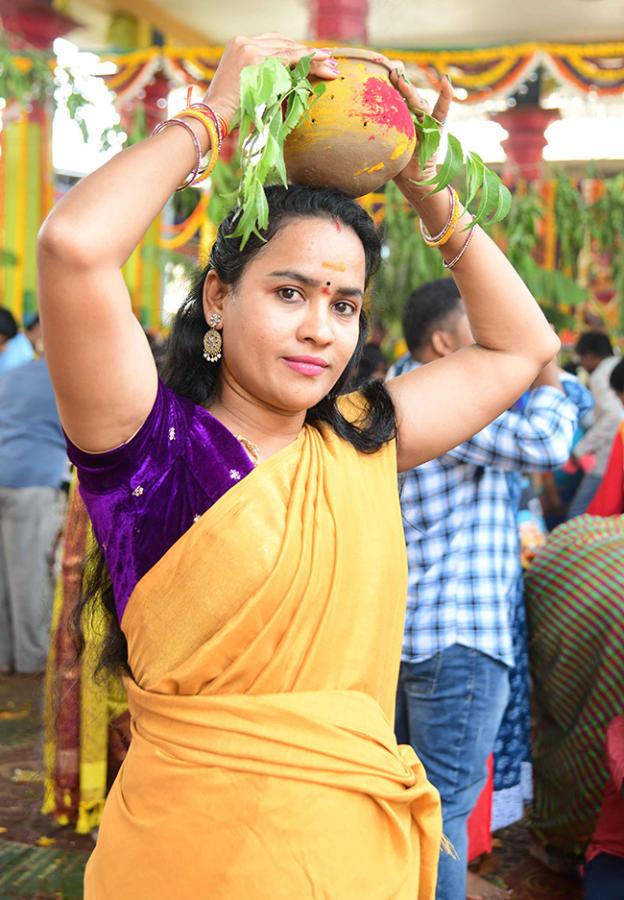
<point>453,262</point>
<point>216,127</point>
<point>439,240</point>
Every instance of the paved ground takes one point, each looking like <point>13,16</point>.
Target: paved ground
<point>41,861</point>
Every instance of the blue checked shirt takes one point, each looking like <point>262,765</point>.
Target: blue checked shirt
<point>460,527</point>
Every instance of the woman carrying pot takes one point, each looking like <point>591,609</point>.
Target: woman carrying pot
<point>249,518</point>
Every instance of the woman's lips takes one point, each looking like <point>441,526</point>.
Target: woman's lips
<point>306,365</point>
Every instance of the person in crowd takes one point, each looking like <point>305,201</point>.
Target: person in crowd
<point>373,365</point>
<point>575,608</point>
<point>256,601</point>
<point>609,498</point>
<point>464,573</point>
<point>595,354</point>
<point>32,330</point>
<point>603,875</point>
<point>32,465</point>
<point>15,348</point>
<point>558,493</point>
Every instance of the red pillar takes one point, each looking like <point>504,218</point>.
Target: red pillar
<point>524,147</point>
<point>339,20</point>
<point>34,23</point>
<point>155,101</point>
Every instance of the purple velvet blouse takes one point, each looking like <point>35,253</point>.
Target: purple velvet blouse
<point>141,497</point>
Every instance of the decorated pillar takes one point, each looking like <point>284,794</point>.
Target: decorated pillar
<point>143,270</point>
<point>524,147</point>
<point>26,192</point>
<point>339,20</point>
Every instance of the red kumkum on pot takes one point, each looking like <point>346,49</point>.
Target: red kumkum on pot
<point>358,135</point>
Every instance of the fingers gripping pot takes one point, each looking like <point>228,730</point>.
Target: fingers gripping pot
<point>358,135</point>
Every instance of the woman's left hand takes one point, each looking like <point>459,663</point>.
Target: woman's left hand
<point>413,170</point>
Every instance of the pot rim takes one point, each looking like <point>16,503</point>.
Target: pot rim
<point>362,53</point>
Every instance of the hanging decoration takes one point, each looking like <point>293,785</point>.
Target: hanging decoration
<point>496,71</point>
<point>482,73</point>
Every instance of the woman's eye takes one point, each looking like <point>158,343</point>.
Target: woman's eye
<point>344,308</point>
<point>289,294</point>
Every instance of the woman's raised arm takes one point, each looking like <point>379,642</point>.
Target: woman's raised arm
<point>443,403</point>
<point>99,358</point>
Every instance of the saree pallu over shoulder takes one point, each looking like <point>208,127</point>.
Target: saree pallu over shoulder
<point>265,647</point>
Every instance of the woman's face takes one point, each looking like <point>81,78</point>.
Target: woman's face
<point>291,324</point>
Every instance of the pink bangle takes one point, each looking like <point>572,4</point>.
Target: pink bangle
<point>195,172</point>
<point>437,237</point>
<point>456,259</point>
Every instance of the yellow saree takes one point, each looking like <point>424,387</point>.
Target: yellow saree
<point>265,648</point>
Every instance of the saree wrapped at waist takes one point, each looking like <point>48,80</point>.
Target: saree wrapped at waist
<point>265,657</point>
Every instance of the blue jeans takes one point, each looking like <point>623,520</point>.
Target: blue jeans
<point>604,878</point>
<point>584,495</point>
<point>449,709</point>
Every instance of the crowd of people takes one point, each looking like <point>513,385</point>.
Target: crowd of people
<point>232,566</point>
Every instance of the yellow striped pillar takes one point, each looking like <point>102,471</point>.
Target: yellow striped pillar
<point>25,199</point>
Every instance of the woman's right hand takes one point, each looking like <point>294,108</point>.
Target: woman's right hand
<point>223,95</point>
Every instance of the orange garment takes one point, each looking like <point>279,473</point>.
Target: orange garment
<point>265,649</point>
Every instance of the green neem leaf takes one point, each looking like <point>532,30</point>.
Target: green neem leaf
<point>503,204</point>
<point>429,136</point>
<point>262,209</point>
<point>83,128</point>
<point>489,196</point>
<point>268,160</point>
<point>249,80</point>
<point>263,91</point>
<point>275,135</point>
<point>295,109</point>
<point>275,79</point>
<point>302,69</point>
<point>451,167</point>
<point>475,168</point>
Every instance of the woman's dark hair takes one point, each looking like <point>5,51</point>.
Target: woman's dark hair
<point>616,379</point>
<point>186,372</point>
<point>371,361</point>
<point>428,309</point>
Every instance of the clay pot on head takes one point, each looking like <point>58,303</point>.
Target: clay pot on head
<point>358,135</point>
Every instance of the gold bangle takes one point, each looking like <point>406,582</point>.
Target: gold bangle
<point>214,141</point>
<point>449,230</point>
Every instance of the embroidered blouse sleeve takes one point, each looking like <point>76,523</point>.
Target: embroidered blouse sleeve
<point>140,459</point>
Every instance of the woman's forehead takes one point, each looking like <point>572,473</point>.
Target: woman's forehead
<point>326,245</point>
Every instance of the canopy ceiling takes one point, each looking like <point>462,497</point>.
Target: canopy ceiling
<point>391,23</point>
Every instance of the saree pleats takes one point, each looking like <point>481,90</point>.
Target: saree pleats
<point>265,647</point>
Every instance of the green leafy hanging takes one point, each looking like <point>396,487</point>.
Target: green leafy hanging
<point>274,100</point>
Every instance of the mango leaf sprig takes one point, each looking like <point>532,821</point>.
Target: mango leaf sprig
<point>274,100</point>
<point>480,183</point>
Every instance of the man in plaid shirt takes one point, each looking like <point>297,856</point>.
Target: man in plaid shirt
<point>464,562</point>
